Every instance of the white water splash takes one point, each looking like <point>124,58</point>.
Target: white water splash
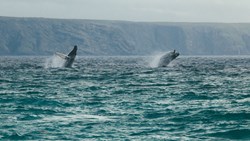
<point>156,59</point>
<point>54,62</point>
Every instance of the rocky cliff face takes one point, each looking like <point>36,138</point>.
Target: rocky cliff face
<point>39,36</point>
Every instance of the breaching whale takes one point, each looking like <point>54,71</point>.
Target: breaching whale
<point>69,59</point>
<point>167,58</point>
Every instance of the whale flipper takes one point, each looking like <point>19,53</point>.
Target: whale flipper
<point>63,56</point>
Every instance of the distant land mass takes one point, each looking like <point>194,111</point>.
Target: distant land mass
<point>41,36</point>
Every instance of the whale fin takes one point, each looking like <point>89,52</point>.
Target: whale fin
<point>63,56</point>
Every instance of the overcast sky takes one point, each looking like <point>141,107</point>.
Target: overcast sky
<point>132,10</point>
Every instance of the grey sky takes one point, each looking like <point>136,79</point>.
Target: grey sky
<point>132,10</point>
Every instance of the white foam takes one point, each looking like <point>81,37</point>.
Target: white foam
<point>77,117</point>
<point>54,62</point>
<point>156,59</point>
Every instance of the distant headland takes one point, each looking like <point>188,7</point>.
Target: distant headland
<point>41,36</point>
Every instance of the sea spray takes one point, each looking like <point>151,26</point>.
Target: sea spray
<point>155,59</point>
<point>163,59</point>
<point>54,62</point>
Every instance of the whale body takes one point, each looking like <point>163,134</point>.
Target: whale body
<point>167,58</point>
<point>69,59</point>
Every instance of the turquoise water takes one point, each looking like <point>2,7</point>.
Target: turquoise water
<point>125,98</point>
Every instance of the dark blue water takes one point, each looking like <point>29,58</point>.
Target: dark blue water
<point>125,98</point>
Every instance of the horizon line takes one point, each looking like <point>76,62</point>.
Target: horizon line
<point>118,20</point>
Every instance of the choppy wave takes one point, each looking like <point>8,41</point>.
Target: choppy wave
<point>125,98</point>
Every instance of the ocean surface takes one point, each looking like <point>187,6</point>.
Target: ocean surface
<point>125,98</point>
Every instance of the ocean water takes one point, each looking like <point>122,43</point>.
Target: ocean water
<point>125,98</point>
